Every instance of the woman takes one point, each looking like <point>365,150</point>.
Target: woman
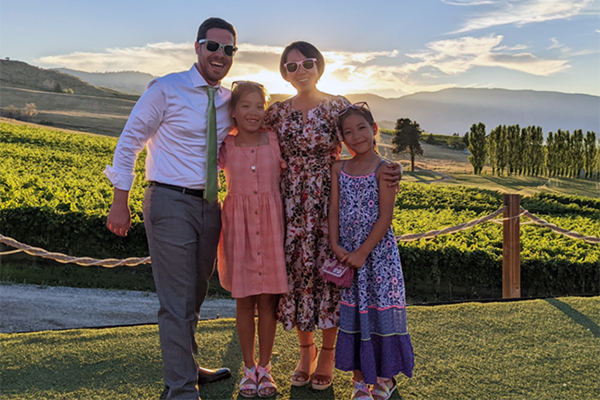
<point>307,127</point>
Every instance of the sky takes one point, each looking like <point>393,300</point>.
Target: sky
<point>389,48</point>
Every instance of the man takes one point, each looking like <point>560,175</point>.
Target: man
<point>175,118</point>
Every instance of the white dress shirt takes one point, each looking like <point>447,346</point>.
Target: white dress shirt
<point>170,118</point>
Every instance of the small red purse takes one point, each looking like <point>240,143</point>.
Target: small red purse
<point>335,271</point>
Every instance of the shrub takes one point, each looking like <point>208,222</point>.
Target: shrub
<point>22,114</point>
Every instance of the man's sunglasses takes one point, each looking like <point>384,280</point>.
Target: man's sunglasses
<point>212,46</point>
<point>308,63</point>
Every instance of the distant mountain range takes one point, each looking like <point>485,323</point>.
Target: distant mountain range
<point>130,82</point>
<point>446,112</point>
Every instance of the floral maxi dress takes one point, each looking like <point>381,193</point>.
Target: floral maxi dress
<point>309,149</point>
<point>373,336</point>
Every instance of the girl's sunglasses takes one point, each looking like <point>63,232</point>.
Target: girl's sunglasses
<point>241,83</point>
<point>355,106</point>
<point>212,46</point>
<point>308,63</point>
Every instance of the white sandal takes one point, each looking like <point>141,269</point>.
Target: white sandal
<point>361,387</point>
<point>249,382</point>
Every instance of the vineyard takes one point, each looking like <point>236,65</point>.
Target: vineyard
<point>53,195</point>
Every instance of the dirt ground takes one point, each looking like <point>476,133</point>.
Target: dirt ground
<point>30,308</point>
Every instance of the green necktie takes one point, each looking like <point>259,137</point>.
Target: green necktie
<point>211,187</point>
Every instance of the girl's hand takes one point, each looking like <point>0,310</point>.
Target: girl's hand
<point>355,260</point>
<point>339,252</point>
<point>392,173</point>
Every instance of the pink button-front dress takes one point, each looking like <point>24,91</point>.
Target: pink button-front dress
<point>251,260</point>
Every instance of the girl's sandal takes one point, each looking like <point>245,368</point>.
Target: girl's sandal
<point>382,391</point>
<point>265,381</point>
<point>327,379</point>
<point>305,376</point>
<point>361,391</point>
<point>248,382</point>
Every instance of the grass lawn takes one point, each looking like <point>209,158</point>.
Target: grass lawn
<point>538,349</point>
<point>527,185</point>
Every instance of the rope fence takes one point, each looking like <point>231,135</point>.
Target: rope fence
<point>572,234</point>
<point>409,237</point>
<point>62,258</point>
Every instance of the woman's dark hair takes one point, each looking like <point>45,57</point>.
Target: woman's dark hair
<point>215,23</point>
<point>366,114</point>
<point>308,50</point>
<point>242,88</point>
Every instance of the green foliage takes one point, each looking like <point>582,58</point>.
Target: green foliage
<point>591,155</point>
<point>407,139</point>
<point>477,147</point>
<point>430,139</point>
<point>53,195</point>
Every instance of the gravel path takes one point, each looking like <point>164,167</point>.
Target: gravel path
<point>29,308</point>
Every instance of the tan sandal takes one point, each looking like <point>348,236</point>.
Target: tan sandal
<point>303,374</point>
<point>328,379</point>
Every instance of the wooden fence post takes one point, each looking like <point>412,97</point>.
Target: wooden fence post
<point>511,249</point>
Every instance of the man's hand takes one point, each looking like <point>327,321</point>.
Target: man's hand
<point>392,173</point>
<point>119,217</point>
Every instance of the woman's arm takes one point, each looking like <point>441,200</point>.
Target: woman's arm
<point>387,199</point>
<point>334,213</point>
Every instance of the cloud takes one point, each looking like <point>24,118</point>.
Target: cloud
<point>523,12</point>
<point>456,56</point>
<point>555,44</point>
<point>154,58</point>
<point>346,72</point>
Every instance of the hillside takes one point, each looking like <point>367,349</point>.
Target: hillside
<point>21,75</point>
<point>123,81</point>
<point>446,111</point>
<point>455,110</point>
<point>102,110</point>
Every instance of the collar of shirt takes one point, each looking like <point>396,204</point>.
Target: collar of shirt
<point>199,81</point>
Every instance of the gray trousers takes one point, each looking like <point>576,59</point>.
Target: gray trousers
<point>183,233</point>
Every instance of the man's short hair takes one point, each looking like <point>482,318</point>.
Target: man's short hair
<point>215,23</point>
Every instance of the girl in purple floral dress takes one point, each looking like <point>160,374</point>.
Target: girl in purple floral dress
<point>373,340</point>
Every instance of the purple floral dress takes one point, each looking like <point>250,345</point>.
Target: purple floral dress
<point>309,149</point>
<point>373,336</point>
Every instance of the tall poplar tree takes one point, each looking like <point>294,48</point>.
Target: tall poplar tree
<point>492,149</point>
<point>537,150</point>
<point>514,149</point>
<point>551,160</point>
<point>591,154</point>
<point>477,147</point>
<point>576,153</point>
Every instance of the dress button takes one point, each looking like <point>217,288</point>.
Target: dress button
<point>256,212</point>
<point>260,274</point>
<point>252,151</point>
<point>255,192</point>
<point>258,253</point>
<point>257,232</point>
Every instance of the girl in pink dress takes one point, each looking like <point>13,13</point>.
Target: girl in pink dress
<point>251,260</point>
